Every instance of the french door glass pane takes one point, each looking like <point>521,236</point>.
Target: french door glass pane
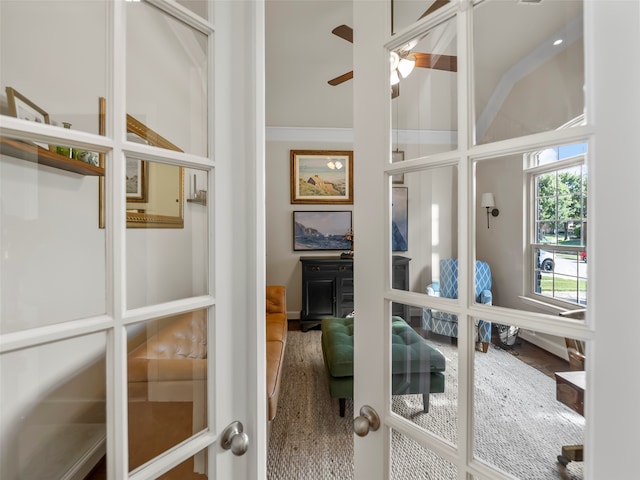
<point>167,77</point>
<point>167,383</point>
<point>53,413</point>
<point>528,403</point>
<point>53,252</point>
<point>424,377</point>
<point>163,219</point>
<point>431,86</point>
<point>55,63</point>
<point>423,224</point>
<point>529,67</point>
<point>411,461</point>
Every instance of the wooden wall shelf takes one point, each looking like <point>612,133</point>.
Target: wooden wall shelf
<point>33,153</point>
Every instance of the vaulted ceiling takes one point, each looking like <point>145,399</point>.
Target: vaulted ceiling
<point>302,54</point>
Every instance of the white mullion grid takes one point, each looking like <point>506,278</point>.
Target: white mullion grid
<point>52,333</point>
<point>166,309</point>
<point>211,258</point>
<point>39,132</point>
<point>115,229</point>
<point>169,157</point>
<point>466,245</point>
<point>182,13</point>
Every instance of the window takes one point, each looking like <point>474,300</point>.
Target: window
<point>558,180</point>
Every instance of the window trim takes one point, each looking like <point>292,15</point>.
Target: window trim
<point>530,172</point>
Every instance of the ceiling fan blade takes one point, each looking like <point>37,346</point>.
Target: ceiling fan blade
<point>434,6</point>
<point>448,63</point>
<point>345,32</point>
<point>341,79</point>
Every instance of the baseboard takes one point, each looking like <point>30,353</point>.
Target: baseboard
<point>544,342</point>
<point>295,315</point>
<point>87,461</point>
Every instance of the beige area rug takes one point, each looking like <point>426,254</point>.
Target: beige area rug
<point>520,425</point>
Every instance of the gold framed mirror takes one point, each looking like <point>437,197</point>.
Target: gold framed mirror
<point>155,191</point>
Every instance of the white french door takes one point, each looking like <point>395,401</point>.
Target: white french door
<point>132,292</point>
<point>464,137</point>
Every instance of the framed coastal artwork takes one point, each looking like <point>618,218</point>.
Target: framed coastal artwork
<point>321,230</point>
<point>399,219</point>
<point>322,177</point>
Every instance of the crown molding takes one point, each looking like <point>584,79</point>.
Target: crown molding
<point>345,135</point>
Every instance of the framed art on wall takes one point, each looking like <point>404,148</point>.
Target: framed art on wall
<point>137,180</point>
<point>23,108</point>
<point>400,219</point>
<point>321,230</point>
<point>322,177</point>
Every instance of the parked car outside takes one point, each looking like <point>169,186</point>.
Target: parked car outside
<point>546,261</point>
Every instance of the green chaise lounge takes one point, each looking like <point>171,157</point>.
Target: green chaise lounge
<point>417,367</point>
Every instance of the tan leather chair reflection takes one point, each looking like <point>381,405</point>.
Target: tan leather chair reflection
<point>167,377</point>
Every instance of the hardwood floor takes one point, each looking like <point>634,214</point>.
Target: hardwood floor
<point>99,472</point>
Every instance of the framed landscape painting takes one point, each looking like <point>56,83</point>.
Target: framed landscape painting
<point>321,230</point>
<point>322,177</point>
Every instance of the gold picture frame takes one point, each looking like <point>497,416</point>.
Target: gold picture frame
<point>137,189</point>
<point>138,215</point>
<point>23,108</point>
<point>322,177</point>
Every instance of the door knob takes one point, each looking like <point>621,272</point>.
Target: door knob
<point>368,420</point>
<point>235,439</point>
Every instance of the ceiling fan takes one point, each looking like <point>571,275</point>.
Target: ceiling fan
<point>404,60</point>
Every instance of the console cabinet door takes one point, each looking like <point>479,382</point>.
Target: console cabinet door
<point>344,305</point>
<point>327,289</point>
<point>320,295</point>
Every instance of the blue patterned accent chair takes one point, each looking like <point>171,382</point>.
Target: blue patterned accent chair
<point>445,323</point>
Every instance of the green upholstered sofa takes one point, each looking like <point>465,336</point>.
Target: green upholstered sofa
<point>417,366</point>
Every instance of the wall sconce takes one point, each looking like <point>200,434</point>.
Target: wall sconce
<point>489,203</point>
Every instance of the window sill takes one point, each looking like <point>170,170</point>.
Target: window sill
<point>545,306</point>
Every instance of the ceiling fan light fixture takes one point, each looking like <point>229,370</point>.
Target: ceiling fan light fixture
<point>394,60</point>
<point>406,65</point>
<point>395,79</point>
